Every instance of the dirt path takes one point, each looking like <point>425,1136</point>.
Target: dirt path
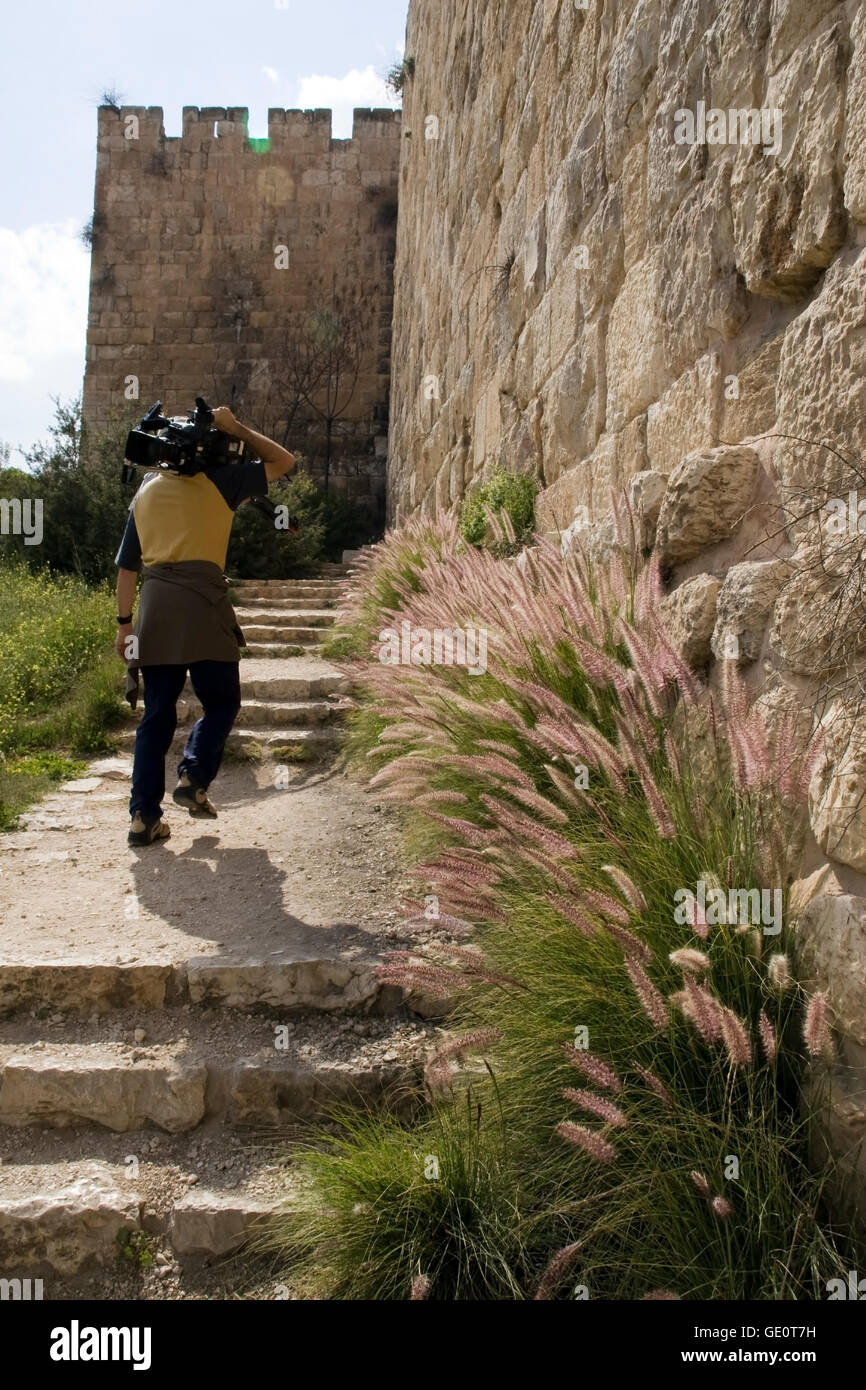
<point>172,1017</point>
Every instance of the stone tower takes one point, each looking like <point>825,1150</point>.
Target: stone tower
<point>216,260</point>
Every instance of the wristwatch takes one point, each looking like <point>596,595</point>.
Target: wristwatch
<point>123,621</point>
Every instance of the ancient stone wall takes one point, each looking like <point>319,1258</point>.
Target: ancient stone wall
<point>209,251</point>
<point>630,257</point>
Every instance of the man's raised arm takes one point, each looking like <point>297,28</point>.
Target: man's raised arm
<point>278,461</point>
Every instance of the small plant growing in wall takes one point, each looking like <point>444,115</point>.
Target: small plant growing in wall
<point>399,75</point>
<point>91,229</point>
<point>111,97</point>
<point>507,498</point>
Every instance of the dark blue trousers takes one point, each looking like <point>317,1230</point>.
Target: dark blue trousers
<point>218,689</point>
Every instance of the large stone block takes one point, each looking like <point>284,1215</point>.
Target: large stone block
<point>707,497</point>
<point>854,154</point>
<point>787,206</point>
<point>744,606</point>
<point>687,415</point>
<point>689,614</point>
<point>637,372</point>
<point>837,792</point>
<point>701,295</point>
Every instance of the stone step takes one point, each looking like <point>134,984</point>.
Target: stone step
<point>260,599</point>
<point>296,678</point>
<point>288,633</point>
<point>191,1197</point>
<point>289,980</point>
<point>286,617</point>
<point>241,1071</point>
<point>292,745</point>
<point>275,651</point>
<point>317,588</point>
<point>286,714</point>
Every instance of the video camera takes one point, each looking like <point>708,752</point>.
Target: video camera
<point>187,445</point>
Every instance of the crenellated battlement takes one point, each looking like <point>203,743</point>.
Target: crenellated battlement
<point>207,126</point>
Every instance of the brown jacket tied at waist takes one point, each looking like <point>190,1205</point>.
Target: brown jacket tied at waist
<point>184,615</point>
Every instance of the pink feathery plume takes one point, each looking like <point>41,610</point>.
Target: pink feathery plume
<point>767,1035</point>
<point>722,1207</point>
<point>572,913</point>
<point>687,959</point>
<point>557,1270</point>
<point>626,886</point>
<point>586,1139</point>
<point>701,1008</point>
<point>606,906</point>
<point>701,1183</point>
<point>420,1287</point>
<point>593,1067</point>
<point>779,971</point>
<point>816,1029</point>
<point>655,1085</point>
<point>661,1296</point>
<point>437,1073</point>
<point>653,1004</point>
<point>597,1105</point>
<point>631,944</point>
<point>736,1039</point>
<point>536,802</point>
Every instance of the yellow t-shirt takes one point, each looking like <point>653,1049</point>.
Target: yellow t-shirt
<point>173,518</point>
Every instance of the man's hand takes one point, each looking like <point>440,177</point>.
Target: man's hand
<point>224,420</point>
<point>123,633</point>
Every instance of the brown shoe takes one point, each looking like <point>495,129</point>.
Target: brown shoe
<point>146,832</point>
<point>193,798</point>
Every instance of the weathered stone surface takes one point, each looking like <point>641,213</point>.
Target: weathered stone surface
<point>279,1092</point>
<point>327,983</point>
<point>817,619</point>
<point>855,123</point>
<point>687,415</point>
<point>820,384</point>
<point>837,792</point>
<point>59,1086</point>
<point>706,498</point>
<point>114,769</point>
<point>788,214</point>
<point>745,602</point>
<point>830,936</point>
<point>748,404</point>
<point>701,294</point>
<point>83,986</point>
<point>689,614</point>
<point>646,491</point>
<point>215,1223</point>
<point>66,1229</point>
<point>637,372</point>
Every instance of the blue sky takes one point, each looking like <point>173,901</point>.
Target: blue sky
<point>59,56</point>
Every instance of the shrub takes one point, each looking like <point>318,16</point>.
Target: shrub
<point>507,499</point>
<point>60,684</point>
<point>642,1122</point>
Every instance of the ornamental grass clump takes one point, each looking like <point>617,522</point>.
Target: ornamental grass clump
<point>599,837</point>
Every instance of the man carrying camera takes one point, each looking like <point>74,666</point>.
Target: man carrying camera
<point>178,530</point>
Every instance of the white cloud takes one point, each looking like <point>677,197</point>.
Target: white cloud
<point>360,87</point>
<point>271,74</point>
<point>44,274</point>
